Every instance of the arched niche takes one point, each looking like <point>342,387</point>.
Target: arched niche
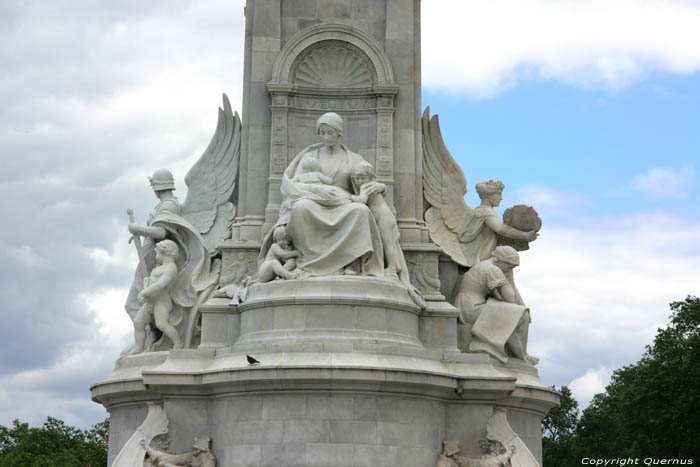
<point>331,68</point>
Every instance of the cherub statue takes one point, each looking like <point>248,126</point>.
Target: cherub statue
<point>311,172</point>
<point>362,177</point>
<point>280,260</point>
<point>196,226</point>
<point>155,297</point>
<point>200,456</point>
<point>465,234</point>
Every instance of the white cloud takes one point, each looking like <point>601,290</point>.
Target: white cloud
<point>107,305</point>
<point>546,200</point>
<point>600,290</point>
<point>27,257</point>
<point>483,47</point>
<point>34,394</point>
<point>593,382</point>
<point>665,182</point>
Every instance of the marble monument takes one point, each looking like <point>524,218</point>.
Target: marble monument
<point>324,296</point>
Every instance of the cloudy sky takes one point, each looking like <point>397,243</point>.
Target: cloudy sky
<point>587,109</point>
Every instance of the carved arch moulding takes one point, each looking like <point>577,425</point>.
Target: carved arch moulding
<point>308,38</point>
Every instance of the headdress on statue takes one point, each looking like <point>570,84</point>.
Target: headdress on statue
<point>489,187</point>
<point>506,254</point>
<point>162,180</point>
<point>331,119</point>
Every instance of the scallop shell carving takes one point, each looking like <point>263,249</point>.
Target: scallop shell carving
<point>333,67</point>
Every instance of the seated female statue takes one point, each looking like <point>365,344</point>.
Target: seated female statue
<point>333,233</point>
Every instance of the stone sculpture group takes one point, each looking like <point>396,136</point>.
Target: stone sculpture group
<point>324,295</point>
<point>334,220</point>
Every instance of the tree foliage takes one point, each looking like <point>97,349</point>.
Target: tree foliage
<point>558,431</point>
<point>54,444</point>
<point>649,409</point>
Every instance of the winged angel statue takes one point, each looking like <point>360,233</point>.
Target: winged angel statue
<point>467,235</point>
<point>177,266</point>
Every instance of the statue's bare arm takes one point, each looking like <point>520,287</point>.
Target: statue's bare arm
<point>495,224</point>
<point>367,190</point>
<point>282,253</point>
<point>507,293</point>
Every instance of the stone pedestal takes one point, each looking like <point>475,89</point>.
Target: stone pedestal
<point>351,374</point>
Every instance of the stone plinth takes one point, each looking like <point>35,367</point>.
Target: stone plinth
<point>333,401</point>
<point>350,310</point>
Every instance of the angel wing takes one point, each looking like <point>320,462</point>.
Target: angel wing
<point>133,453</point>
<point>444,187</point>
<point>212,180</point>
<point>499,430</point>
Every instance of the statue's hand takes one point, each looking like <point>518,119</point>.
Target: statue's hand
<point>141,297</point>
<point>370,188</point>
<point>359,199</point>
<point>133,228</point>
<point>531,236</point>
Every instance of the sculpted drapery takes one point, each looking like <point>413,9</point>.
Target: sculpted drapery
<point>334,234</point>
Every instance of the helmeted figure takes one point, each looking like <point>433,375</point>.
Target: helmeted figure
<point>196,226</point>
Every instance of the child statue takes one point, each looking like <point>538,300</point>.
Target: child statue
<point>280,260</point>
<point>388,230</point>
<point>311,173</point>
<point>155,299</point>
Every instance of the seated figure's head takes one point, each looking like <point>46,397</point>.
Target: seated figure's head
<point>491,191</point>
<point>281,237</point>
<point>330,128</point>
<point>361,174</point>
<point>167,248</point>
<point>505,257</point>
<point>332,120</point>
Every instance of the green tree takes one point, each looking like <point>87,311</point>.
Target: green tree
<point>651,408</point>
<point>54,444</point>
<point>558,432</point>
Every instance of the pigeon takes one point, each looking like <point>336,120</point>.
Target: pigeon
<point>251,360</point>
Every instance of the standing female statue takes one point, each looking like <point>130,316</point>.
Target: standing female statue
<point>333,233</point>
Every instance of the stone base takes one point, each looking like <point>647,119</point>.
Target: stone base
<point>351,373</point>
<point>324,408</point>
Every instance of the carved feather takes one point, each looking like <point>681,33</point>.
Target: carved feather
<point>212,179</point>
<point>444,187</point>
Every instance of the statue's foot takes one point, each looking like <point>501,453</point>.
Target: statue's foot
<point>135,349</point>
<point>391,273</point>
<point>349,271</point>
<point>177,345</point>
